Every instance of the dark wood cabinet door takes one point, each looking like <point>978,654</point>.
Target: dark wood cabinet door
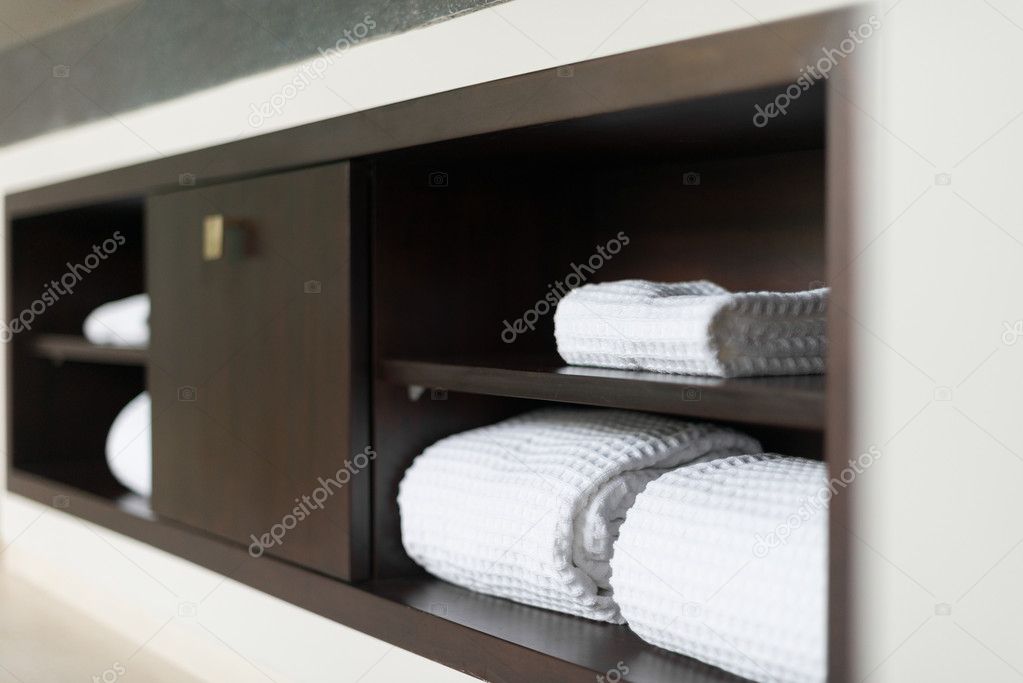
<point>257,366</point>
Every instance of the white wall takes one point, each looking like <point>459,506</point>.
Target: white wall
<point>939,272</point>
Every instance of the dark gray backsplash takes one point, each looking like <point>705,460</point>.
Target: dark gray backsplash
<point>145,51</point>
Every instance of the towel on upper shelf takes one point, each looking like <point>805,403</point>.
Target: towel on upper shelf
<point>124,322</point>
<point>529,508</point>
<point>130,446</point>
<point>692,328</point>
<point>726,562</point>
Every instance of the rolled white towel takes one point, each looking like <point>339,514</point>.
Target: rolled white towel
<point>529,508</point>
<point>124,322</point>
<point>726,562</point>
<point>130,446</point>
<point>692,328</point>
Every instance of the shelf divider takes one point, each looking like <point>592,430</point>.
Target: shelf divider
<point>791,401</point>
<point>69,347</point>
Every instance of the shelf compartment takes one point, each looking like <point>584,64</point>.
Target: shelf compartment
<point>793,402</point>
<point>69,347</point>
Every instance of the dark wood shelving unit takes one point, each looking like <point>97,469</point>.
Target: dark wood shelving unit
<point>796,402</point>
<point>68,347</point>
<point>430,224</point>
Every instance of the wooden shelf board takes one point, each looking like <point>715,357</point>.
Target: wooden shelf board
<point>795,402</point>
<point>68,347</point>
<point>598,646</point>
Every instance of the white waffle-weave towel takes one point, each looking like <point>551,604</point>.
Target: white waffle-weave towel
<point>124,322</point>
<point>529,508</point>
<point>692,328</point>
<point>726,562</point>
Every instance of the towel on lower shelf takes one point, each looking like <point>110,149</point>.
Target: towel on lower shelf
<point>130,446</point>
<point>692,328</point>
<point>726,562</point>
<point>529,508</point>
<point>124,322</point>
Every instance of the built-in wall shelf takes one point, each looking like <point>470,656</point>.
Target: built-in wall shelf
<point>356,295</point>
<point>796,402</point>
<point>68,347</point>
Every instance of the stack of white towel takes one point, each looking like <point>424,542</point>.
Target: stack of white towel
<point>129,447</point>
<point>692,328</point>
<point>532,509</point>
<point>529,508</point>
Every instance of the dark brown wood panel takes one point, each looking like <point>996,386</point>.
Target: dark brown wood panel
<point>459,260</point>
<point>256,371</point>
<point>777,401</point>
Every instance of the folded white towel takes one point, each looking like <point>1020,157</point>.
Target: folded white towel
<point>130,446</point>
<point>726,562</point>
<point>528,509</point>
<point>124,322</point>
<point>692,328</point>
